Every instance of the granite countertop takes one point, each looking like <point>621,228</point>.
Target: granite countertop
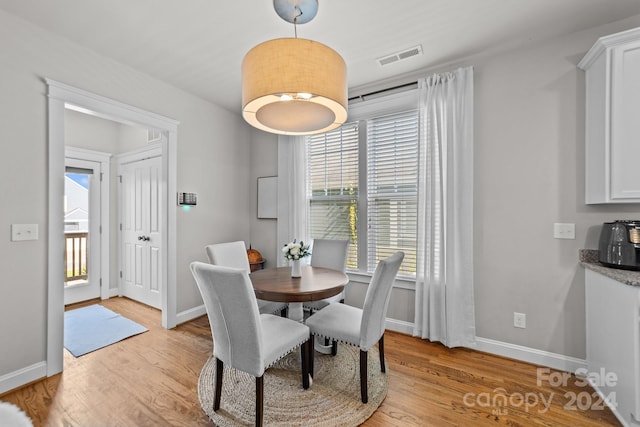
<point>589,259</point>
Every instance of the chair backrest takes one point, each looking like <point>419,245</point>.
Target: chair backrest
<point>231,254</point>
<point>233,315</point>
<point>330,254</point>
<point>376,301</point>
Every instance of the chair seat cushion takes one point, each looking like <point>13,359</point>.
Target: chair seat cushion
<point>337,321</point>
<point>279,336</point>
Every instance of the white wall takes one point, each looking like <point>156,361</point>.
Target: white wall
<point>264,162</point>
<point>213,160</point>
<point>529,173</point>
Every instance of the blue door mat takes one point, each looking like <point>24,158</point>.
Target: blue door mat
<point>89,328</point>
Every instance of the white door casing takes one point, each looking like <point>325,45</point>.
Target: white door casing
<point>60,97</point>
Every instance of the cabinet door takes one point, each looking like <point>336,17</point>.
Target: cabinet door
<point>612,316</point>
<point>625,122</point>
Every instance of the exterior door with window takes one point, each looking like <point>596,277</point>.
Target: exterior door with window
<point>82,237</point>
<point>141,225</point>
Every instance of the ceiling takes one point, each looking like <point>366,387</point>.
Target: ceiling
<point>198,45</point>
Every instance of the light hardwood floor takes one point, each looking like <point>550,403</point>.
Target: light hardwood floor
<point>151,380</point>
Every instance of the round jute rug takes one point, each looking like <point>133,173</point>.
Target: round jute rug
<point>332,400</point>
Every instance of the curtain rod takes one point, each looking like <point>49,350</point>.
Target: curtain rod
<point>381,91</point>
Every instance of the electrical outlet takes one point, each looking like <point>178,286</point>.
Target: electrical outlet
<point>519,320</point>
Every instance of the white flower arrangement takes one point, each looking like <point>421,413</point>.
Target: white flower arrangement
<point>295,250</point>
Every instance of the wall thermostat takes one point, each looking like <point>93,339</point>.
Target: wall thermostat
<point>187,199</point>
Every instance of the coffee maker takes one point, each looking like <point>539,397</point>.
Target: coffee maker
<point>619,245</point>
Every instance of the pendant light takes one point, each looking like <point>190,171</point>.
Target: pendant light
<point>294,86</point>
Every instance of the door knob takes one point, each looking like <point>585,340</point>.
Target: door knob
<point>144,238</point>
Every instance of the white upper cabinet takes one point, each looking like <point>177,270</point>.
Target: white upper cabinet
<point>612,68</point>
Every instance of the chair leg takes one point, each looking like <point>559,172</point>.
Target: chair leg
<point>381,351</point>
<point>364,395</point>
<point>218,392</point>
<point>259,399</point>
<point>311,354</point>
<point>334,344</point>
<point>304,354</point>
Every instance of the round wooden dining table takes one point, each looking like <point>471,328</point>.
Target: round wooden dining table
<point>315,283</point>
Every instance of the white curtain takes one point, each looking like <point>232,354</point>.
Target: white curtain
<point>292,192</point>
<point>444,281</point>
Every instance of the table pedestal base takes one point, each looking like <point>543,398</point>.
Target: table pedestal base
<point>321,348</point>
<point>296,312</point>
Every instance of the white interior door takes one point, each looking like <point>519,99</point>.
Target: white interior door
<point>82,226</point>
<point>141,232</point>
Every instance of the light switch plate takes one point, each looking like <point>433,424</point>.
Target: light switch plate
<point>24,232</point>
<point>564,231</point>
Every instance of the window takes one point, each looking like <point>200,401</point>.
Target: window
<point>362,182</point>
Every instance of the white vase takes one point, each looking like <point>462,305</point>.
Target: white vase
<point>295,268</point>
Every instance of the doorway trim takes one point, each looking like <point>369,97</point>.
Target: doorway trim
<point>60,97</point>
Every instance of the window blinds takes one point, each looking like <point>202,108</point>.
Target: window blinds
<point>332,183</point>
<point>392,188</point>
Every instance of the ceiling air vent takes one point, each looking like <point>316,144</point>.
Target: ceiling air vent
<point>400,56</point>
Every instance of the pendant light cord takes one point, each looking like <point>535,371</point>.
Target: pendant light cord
<point>295,20</point>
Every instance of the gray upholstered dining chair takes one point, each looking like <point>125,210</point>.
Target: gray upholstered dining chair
<point>360,327</point>
<point>243,338</point>
<point>328,254</point>
<point>234,254</point>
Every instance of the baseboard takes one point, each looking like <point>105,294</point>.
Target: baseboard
<point>399,326</point>
<point>512,351</point>
<point>192,313</point>
<point>23,376</point>
<point>614,408</point>
<point>530,355</point>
